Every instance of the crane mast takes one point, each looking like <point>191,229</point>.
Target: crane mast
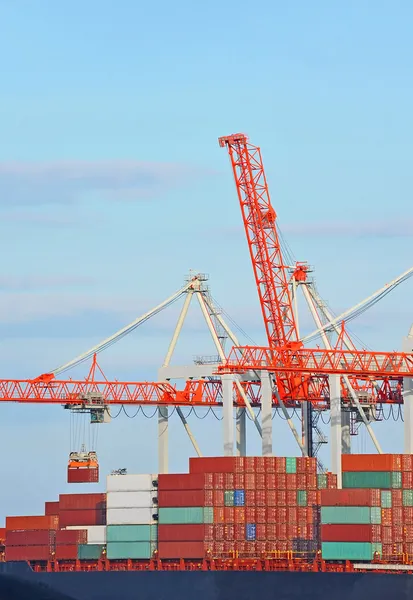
<point>264,245</point>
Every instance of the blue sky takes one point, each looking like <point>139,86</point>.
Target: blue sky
<point>112,186</point>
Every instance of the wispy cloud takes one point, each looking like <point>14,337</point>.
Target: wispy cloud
<point>64,182</point>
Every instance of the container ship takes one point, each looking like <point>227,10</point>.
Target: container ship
<point>227,528</point>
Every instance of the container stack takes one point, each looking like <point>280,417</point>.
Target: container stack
<point>132,514</point>
<point>30,538</point>
<point>376,513</point>
<point>244,506</point>
<point>82,509</point>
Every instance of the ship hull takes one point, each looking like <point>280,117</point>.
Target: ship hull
<point>216,585</point>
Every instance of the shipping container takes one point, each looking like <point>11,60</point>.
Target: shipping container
<point>217,464</point>
<point>350,515</point>
<point>90,551</point>
<point>131,483</point>
<point>133,499</point>
<point>130,550</point>
<point>349,550</point>
<point>407,497</point>
<point>131,516</point>
<point>131,533</point>
<point>322,481</point>
<point>228,498</point>
<point>407,462</point>
<point>182,533</point>
<point>82,517</point>
<point>347,533</point>
<point>83,474</point>
<point>167,550</point>
<point>181,481</point>
<point>184,515</point>
<point>23,523</point>
<point>24,553</point>
<point>33,537</point>
<point>371,462</point>
<point>407,480</point>
<point>82,501</point>
<point>2,534</point>
<point>69,537</point>
<point>291,465</point>
<point>250,532</point>
<point>301,498</point>
<point>68,552</point>
<point>239,497</point>
<point>371,479</point>
<point>96,534</point>
<point>386,499</point>
<point>51,508</point>
<point>208,514</point>
<point>351,497</point>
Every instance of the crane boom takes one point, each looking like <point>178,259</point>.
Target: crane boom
<point>264,245</point>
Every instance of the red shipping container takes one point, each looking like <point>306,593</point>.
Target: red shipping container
<point>408,548</point>
<point>386,516</point>
<point>68,552</point>
<point>387,535</point>
<point>181,481</point>
<point>261,514</point>
<point>239,514</point>
<point>387,550</point>
<point>271,498</point>
<point>43,522</point>
<point>70,537</point>
<point>302,514</point>
<point>306,465</point>
<point>397,498</point>
<point>180,498</point>
<point>271,531</point>
<point>301,481</point>
<point>280,464</point>
<point>291,497</point>
<point>291,481</point>
<point>312,481</point>
<point>229,549</point>
<point>250,514</point>
<point>261,547</point>
<point>208,481</point>
<point>407,480</point>
<point>407,462</point>
<point>271,481</point>
<point>217,464</point>
<point>82,517</point>
<point>371,462</point>
<point>229,514</point>
<point>282,515</point>
<point>261,498</point>
<point>282,498</point>
<point>219,497</point>
<point>351,497</point>
<point>250,464</point>
<point>250,481</point>
<point>397,515</point>
<point>219,529</point>
<point>51,509</point>
<point>407,533</point>
<point>23,553</point>
<point>281,481</point>
<point>208,533</point>
<point>218,481</point>
<point>181,533</point>
<point>260,466</point>
<point>229,533</point>
<point>219,514</point>
<point>250,549</point>
<point>332,479</point>
<point>209,498</point>
<point>82,475</point>
<point>407,515</point>
<point>239,530</point>
<point>269,462</point>
<point>181,550</point>
<point>292,531</point>
<point>250,498</point>
<point>261,532</point>
<point>40,537</point>
<point>260,483</point>
<point>217,548</point>
<point>2,535</point>
<point>82,501</point>
<point>229,481</point>
<point>239,464</point>
<point>312,497</point>
<point>292,514</point>
<point>398,533</point>
<point>302,529</point>
<point>239,481</point>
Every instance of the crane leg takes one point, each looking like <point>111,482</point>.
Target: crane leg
<point>241,432</point>
<point>162,439</point>
<point>345,432</point>
<point>335,427</point>
<point>227,410</point>
<point>266,413</point>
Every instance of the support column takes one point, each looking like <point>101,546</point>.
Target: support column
<point>241,437</point>
<point>227,412</point>
<point>408,399</point>
<point>345,432</point>
<point>266,413</point>
<point>162,439</point>
<point>335,426</point>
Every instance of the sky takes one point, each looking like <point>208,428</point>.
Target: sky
<point>113,186</point>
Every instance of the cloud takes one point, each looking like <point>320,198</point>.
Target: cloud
<point>66,182</point>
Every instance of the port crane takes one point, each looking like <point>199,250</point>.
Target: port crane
<point>284,374</point>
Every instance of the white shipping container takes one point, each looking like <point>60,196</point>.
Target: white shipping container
<point>131,499</point>
<point>130,516</point>
<point>96,534</point>
<point>131,483</point>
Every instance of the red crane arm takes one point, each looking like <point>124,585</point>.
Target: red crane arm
<point>260,226</point>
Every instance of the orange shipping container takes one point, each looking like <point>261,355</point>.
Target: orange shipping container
<point>239,514</point>
<point>260,464</point>
<point>271,479</point>
<point>270,464</point>
<point>22,523</point>
<point>239,481</point>
<point>407,462</point>
<point>271,498</point>
<point>229,515</point>
<point>371,462</point>
<point>229,479</point>
<point>260,481</point>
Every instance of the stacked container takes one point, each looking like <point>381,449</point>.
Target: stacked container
<point>30,538</point>
<point>132,513</point>
<point>82,509</point>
